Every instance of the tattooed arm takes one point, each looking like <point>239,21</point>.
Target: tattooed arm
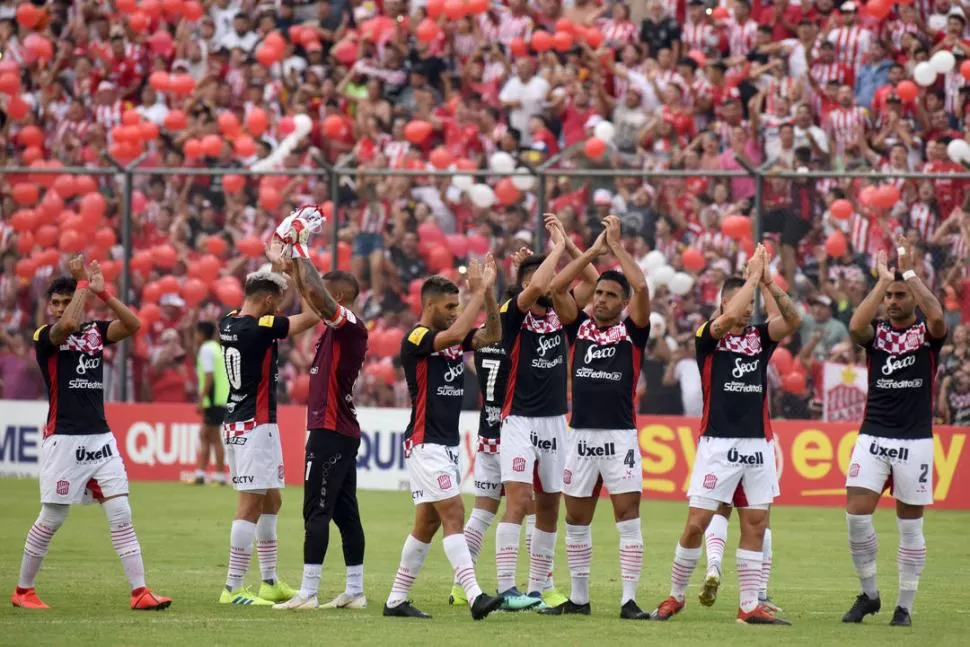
<point>928,304</point>
<point>314,290</point>
<point>492,331</point>
<point>783,316</point>
<point>733,311</point>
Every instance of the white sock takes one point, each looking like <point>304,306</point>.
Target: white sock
<point>124,540</point>
<point>311,580</point>
<point>685,561</point>
<point>240,552</point>
<point>715,537</point>
<point>475,529</point>
<point>579,554</point>
<point>863,546</point>
<point>506,554</point>
<point>51,517</point>
<point>218,477</point>
<point>910,559</point>
<point>355,580</point>
<point>765,564</point>
<point>540,559</point>
<point>266,546</point>
<point>461,561</point>
<point>199,474</point>
<point>631,557</point>
<point>412,559</point>
<point>530,526</point>
<point>749,575</point>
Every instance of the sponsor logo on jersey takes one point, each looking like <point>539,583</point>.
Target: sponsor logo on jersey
<point>599,352</point>
<point>892,364</point>
<point>591,451</point>
<point>593,374</point>
<point>543,445</point>
<point>518,464</point>
<point>81,383</point>
<point>82,455</point>
<point>62,488</point>
<point>243,480</point>
<point>487,485</point>
<point>892,453</point>
<point>734,456</point>
<point>236,440</point>
<point>454,372</point>
<point>710,481</point>
<point>444,482</point>
<point>417,494</point>
<point>742,368</point>
<point>85,364</point>
<point>548,343</point>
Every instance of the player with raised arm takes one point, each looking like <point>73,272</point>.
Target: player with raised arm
<point>249,344</point>
<point>603,448</point>
<point>777,303</point>
<point>330,473</point>
<point>432,357</point>
<point>895,443</point>
<point>79,458</point>
<point>734,460</point>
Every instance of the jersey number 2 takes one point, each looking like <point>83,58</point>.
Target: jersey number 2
<point>233,367</point>
<point>492,365</point>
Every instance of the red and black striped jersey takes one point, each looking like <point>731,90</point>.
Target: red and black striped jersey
<point>250,349</point>
<point>436,381</point>
<point>536,346</point>
<point>336,366</point>
<point>734,378</point>
<point>74,374</point>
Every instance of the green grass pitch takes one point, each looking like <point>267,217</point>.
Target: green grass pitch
<point>184,532</point>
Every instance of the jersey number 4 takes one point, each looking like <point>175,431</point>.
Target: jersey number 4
<point>492,366</point>
<point>630,459</point>
<point>233,366</point>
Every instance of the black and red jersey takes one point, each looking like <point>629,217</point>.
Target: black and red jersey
<point>250,350</point>
<point>436,384</point>
<point>536,346</point>
<point>74,374</point>
<point>734,377</point>
<point>492,367</point>
<point>336,366</point>
<point>605,370</point>
<point>902,367</point>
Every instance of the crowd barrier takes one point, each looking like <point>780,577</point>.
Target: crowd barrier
<point>159,443</point>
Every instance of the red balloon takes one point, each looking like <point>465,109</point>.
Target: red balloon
<point>286,125</point>
<point>907,91</point>
<point>161,42</point>
<point>150,313</point>
<point>230,295</point>
<point>595,148</point>
<point>782,360</point>
<point>244,146</point>
<point>429,231</point>
<point>26,268</point>
<point>105,238</point>
<point>111,270</point>
<point>31,136</point>
<point>142,262</point>
<point>275,40</point>
<point>93,204</point>
<point>65,185</point>
<point>17,108</point>
<point>39,47</point>
<point>164,256</point>
<point>152,8</point>
<point>427,30</point>
<point>9,83</point>
<point>257,121</point>
<point>181,84</point>
<point>476,7</point>
<point>26,193</point>
<point>151,293</point>
<point>736,227</point>
<point>417,131</point>
<point>518,48</point>
<point>270,199</point>
<point>434,8</point>
<point>229,124</point>
<point>334,127</point>
<point>215,244</point>
<point>126,6</point>
<point>563,41</point>
<point>209,268</point>
<point>193,149</point>
<point>541,41</point>
<point>965,70</point>
<point>169,284</point>
<point>45,236</point>
<point>194,291</point>
<point>130,118</point>
<point>23,220</point>
<point>300,389</point>
<point>593,37</point>
<point>886,196</point>
<point>478,244</point>
<point>175,120</point>
<point>267,55</point>
<point>506,192</point>
<point>440,258</point>
<point>71,242</point>
<point>878,9</point>
<point>148,131</point>
<point>455,9</point>
<point>458,244</point>
<point>692,260</point>
<point>836,245</point>
<point>25,243</point>
<point>212,145</point>
<point>251,247</point>
<point>794,383</point>
<point>192,10</point>
<point>160,81</point>
<point>345,52</point>
<point>139,22</point>
<point>440,158</point>
<point>28,15</point>
<point>32,154</point>
<point>233,183</point>
<point>841,209</point>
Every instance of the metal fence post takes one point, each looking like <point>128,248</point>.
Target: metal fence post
<point>127,191</point>
<point>756,230</point>
<point>541,208</point>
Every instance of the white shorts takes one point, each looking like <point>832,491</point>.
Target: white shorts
<point>81,469</point>
<point>904,466</point>
<point>776,491</point>
<point>433,470</point>
<point>533,451</point>
<point>736,471</point>
<point>255,457</point>
<point>488,475</point>
<point>596,457</point>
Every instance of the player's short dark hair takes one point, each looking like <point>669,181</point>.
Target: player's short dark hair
<point>528,266</point>
<point>437,286</point>
<point>616,277</point>
<point>898,276</point>
<point>732,283</point>
<point>206,328</point>
<point>348,279</point>
<point>260,282</point>
<point>61,285</point>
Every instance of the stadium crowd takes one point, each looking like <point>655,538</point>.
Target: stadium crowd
<point>655,85</point>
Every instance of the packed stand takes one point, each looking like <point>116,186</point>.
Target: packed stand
<point>503,86</point>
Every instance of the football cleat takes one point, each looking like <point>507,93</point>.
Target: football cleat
<point>632,611</point>
<point>862,607</point>
<point>759,616</point>
<point>457,597</point>
<point>347,601</point>
<point>712,583</point>
<point>567,608</point>
<point>298,602</point>
<point>278,591</point>
<point>553,598</point>
<point>484,604</point>
<point>27,599</point>
<point>514,600</point>
<point>769,604</point>
<point>901,618</point>
<point>404,610</point>
<point>143,599</point>
<point>243,597</point>
<point>668,608</point>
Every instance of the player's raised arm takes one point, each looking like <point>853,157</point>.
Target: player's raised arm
<point>456,332</point>
<point>783,316</point>
<point>127,323</point>
<point>70,321</point>
<point>924,297</point>
<point>582,293</point>
<point>541,279</point>
<point>860,326</point>
<point>733,311</point>
<point>639,309</point>
<point>568,305</point>
<point>491,332</point>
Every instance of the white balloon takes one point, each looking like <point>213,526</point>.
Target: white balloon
<point>958,150</point>
<point>482,196</point>
<point>654,260</point>
<point>651,287</point>
<point>925,74</point>
<point>943,61</point>
<point>302,124</point>
<point>681,283</point>
<point>463,182</point>
<point>605,131</point>
<point>501,162</point>
<point>663,275</point>
<point>658,325</point>
<point>523,180</point>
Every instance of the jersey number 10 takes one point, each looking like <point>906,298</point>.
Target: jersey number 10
<point>233,360</point>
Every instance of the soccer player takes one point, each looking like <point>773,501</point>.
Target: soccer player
<point>895,443</point>
<point>330,473</point>
<point>249,346</point>
<point>79,460</point>
<point>431,354</point>
<point>604,449</point>
<point>213,395</point>
<point>734,460</point>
